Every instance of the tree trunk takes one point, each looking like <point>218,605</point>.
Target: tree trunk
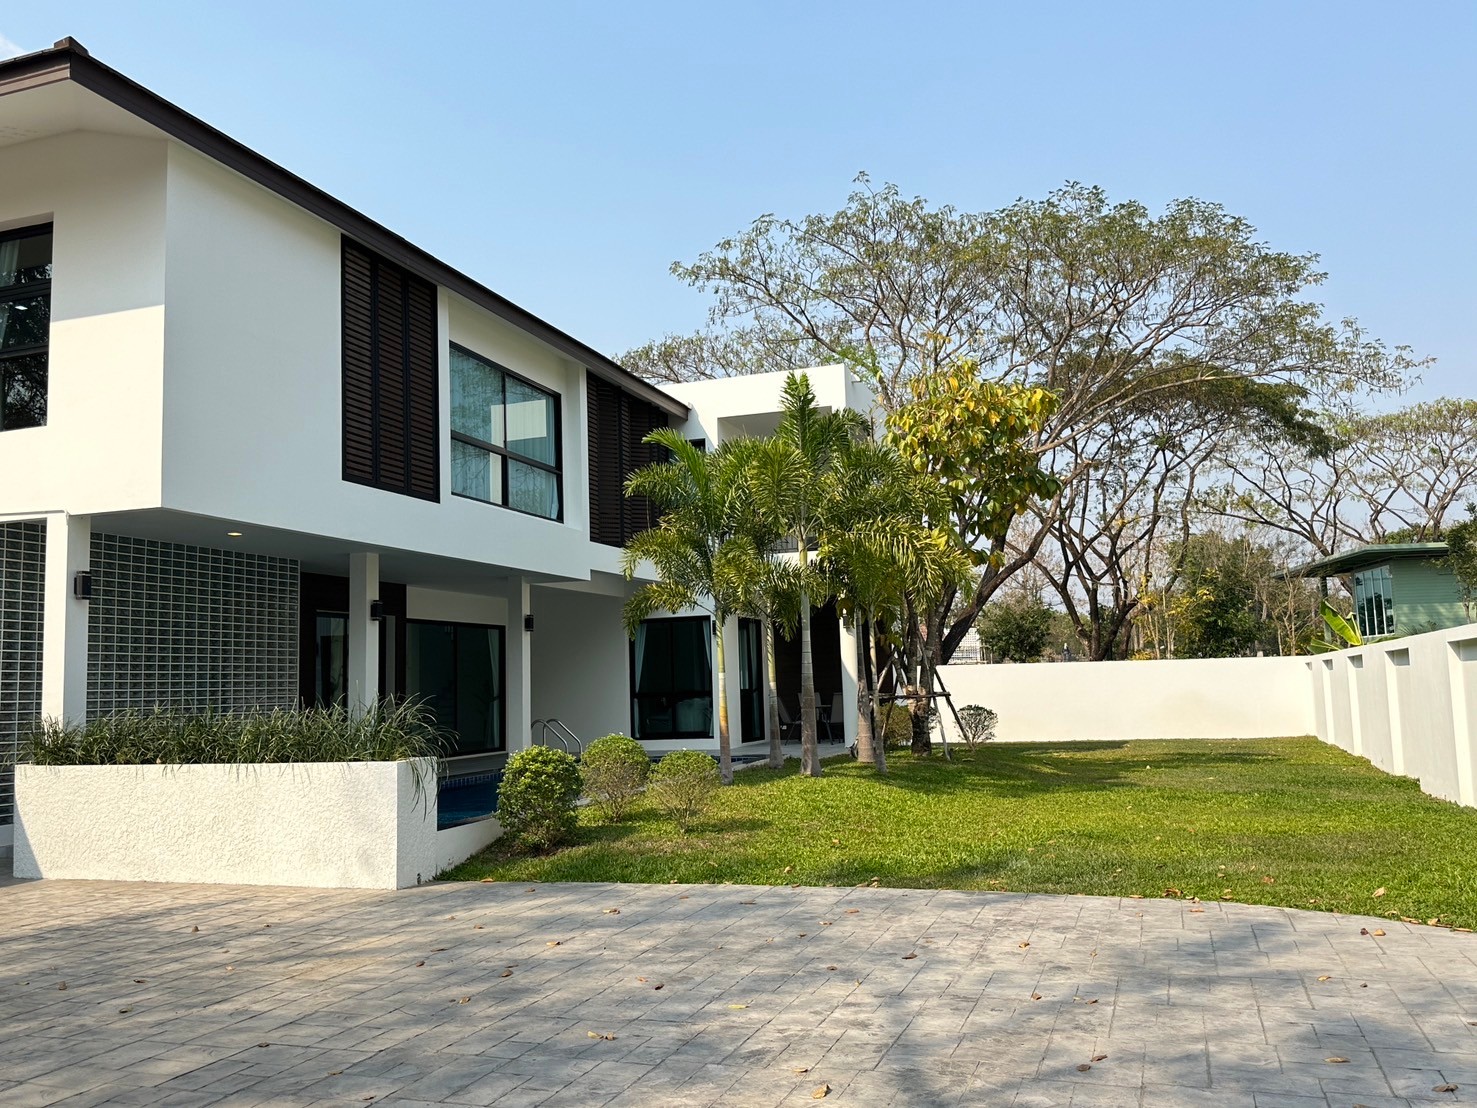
<point>865,745</point>
<point>810,755</point>
<point>725,746</point>
<point>776,742</point>
<point>918,719</point>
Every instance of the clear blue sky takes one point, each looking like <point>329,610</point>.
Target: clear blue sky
<point>567,153</point>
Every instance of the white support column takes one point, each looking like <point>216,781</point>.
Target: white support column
<point>518,665</point>
<point>364,637</point>
<point>849,681</point>
<point>64,619</point>
<point>735,687</point>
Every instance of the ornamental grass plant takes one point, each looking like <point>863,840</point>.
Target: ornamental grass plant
<point>171,736</point>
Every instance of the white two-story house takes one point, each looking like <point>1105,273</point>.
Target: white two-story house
<point>258,450</point>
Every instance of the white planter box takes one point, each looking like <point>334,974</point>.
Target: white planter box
<point>357,825</point>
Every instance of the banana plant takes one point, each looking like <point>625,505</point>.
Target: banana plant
<point>1339,626</point>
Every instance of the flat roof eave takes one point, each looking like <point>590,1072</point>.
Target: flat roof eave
<point>1363,557</point>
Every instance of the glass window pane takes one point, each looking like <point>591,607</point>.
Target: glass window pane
<point>23,392</point>
<point>25,261</point>
<point>478,707</point>
<point>533,490</point>
<point>330,666</point>
<point>430,669</point>
<point>476,398</point>
<point>23,320</point>
<point>530,415</point>
<point>475,472</point>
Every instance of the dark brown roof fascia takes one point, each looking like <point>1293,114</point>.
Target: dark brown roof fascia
<point>69,61</point>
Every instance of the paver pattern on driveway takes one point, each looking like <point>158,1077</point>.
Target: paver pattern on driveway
<point>479,994</point>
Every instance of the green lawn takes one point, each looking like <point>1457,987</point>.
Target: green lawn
<point>1270,821</point>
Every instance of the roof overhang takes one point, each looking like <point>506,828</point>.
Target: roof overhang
<point>1365,557</point>
<point>68,61</point>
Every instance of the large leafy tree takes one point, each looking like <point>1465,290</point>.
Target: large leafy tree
<point>1121,314</point>
<point>699,553</point>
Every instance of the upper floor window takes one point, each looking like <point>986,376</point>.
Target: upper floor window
<point>504,438</point>
<point>25,325</point>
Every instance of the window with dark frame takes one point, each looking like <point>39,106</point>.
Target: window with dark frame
<point>457,671</point>
<point>25,326</point>
<point>505,438</point>
<point>672,679</point>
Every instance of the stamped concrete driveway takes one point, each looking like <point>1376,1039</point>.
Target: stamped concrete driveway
<point>651,995</point>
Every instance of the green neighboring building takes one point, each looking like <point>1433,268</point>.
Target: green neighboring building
<point>1398,588</point>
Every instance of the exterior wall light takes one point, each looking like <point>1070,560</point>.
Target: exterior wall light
<point>528,622</point>
<point>82,585</point>
<point>376,610</point>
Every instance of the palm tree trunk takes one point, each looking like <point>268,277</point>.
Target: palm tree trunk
<point>725,746</point>
<point>810,757</point>
<point>865,752</point>
<point>776,741</point>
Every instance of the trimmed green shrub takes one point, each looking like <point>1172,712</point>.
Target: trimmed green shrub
<point>683,784</point>
<point>535,802</point>
<point>979,723</point>
<point>614,770</point>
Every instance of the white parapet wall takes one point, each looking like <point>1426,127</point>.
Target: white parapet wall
<point>1198,698</point>
<point>1408,705</point>
<point>368,825</point>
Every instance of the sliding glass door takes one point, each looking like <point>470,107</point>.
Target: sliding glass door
<point>456,669</point>
<point>672,679</point>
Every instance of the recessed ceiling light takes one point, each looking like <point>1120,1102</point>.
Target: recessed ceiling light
<point>233,534</point>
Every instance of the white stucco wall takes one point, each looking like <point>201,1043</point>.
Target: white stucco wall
<point>99,450</point>
<point>1408,705</point>
<point>1211,698</point>
<point>581,662</point>
<point>253,391</point>
<point>735,398</point>
<point>324,825</point>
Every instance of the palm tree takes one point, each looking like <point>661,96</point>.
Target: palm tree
<point>883,557</point>
<point>767,469</point>
<point>797,500</point>
<point>700,557</point>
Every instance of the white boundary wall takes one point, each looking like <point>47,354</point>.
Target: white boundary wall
<point>1198,698</point>
<point>1408,705</point>
<point>363,825</point>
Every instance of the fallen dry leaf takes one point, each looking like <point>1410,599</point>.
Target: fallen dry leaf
<point>124,1011</point>
<point>787,869</point>
<point>1269,880</point>
<point>820,1092</point>
<point>603,1035</point>
<point>852,911</point>
<point>1099,1057</point>
<point>420,963</point>
<point>1379,892</point>
<point>642,980</point>
<point>263,1046</point>
<point>1083,1067</point>
<point>139,981</point>
<point>1325,977</point>
<point>802,1069</point>
<point>1035,996</point>
<point>487,880</point>
<point>1023,945</point>
<point>1194,910</point>
<point>335,1073</point>
<point>611,911</point>
<point>1447,1088</point>
<point>506,973</point>
<point>738,1005</point>
<point>1336,1060</point>
<point>464,1000</point>
<point>658,988</point>
<point>476,927</point>
<point>830,967</point>
<point>909,957</point>
<point>62,987</point>
<point>825,923</point>
<point>193,930</point>
<point>747,902</point>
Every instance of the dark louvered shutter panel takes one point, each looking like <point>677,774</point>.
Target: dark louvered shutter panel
<point>358,365</point>
<point>391,421</point>
<point>606,475</point>
<point>424,436</point>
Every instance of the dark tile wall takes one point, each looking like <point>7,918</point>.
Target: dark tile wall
<point>190,627</point>
<point>22,564</point>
